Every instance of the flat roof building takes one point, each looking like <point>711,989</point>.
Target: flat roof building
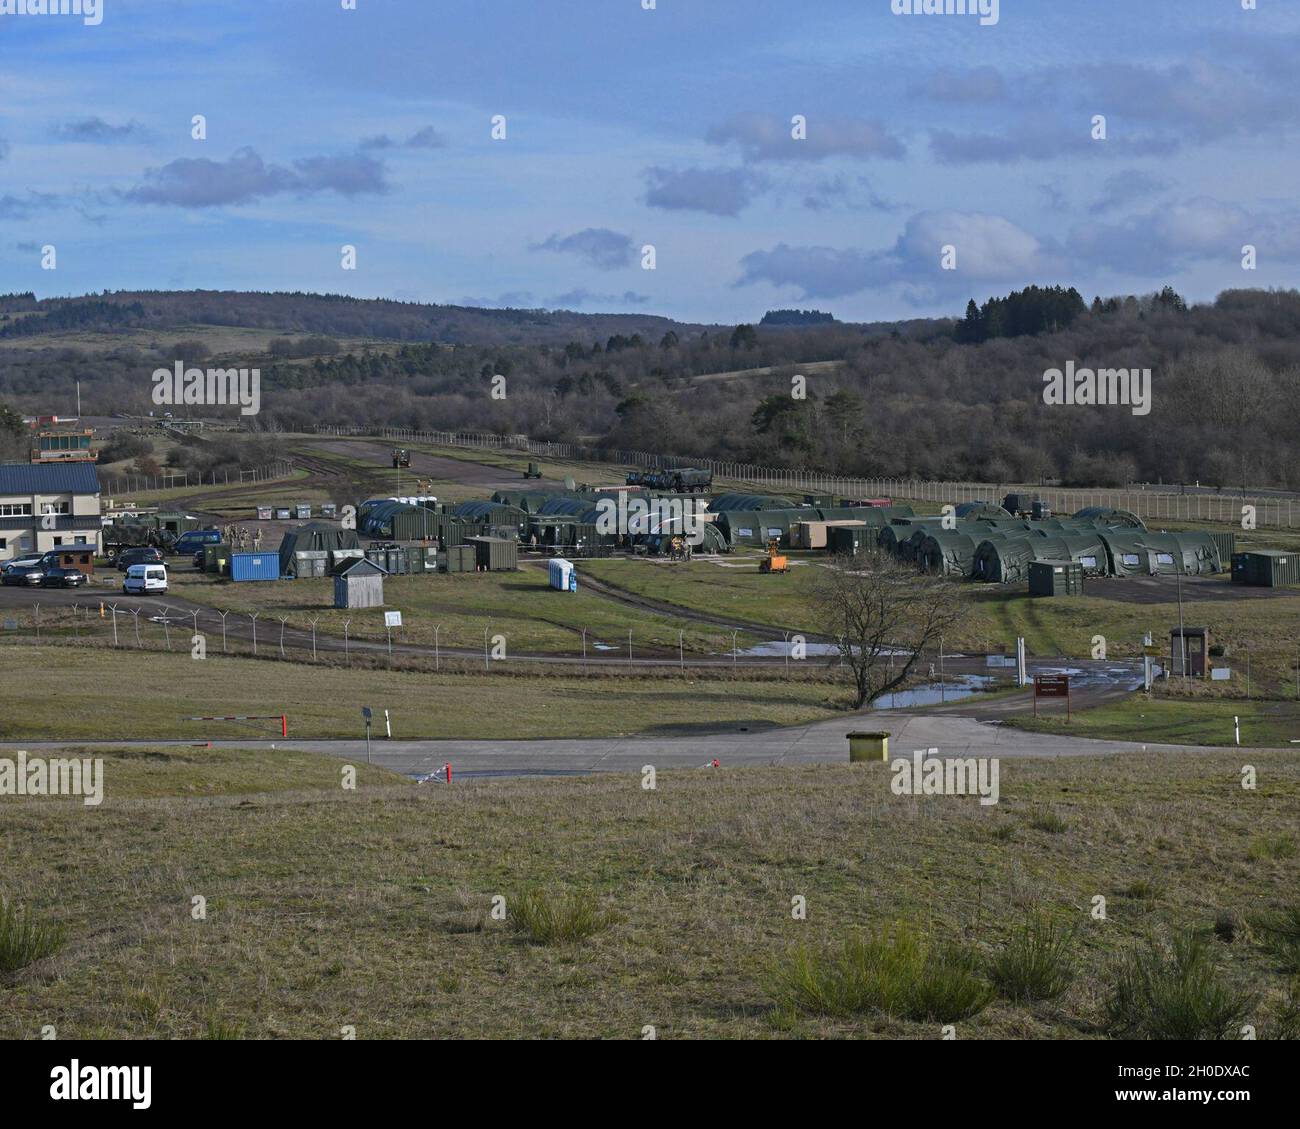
<point>48,506</point>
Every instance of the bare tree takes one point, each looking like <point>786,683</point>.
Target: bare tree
<point>883,614</point>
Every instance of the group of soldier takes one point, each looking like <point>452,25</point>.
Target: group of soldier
<point>240,538</point>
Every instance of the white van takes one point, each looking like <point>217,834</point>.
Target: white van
<point>145,578</point>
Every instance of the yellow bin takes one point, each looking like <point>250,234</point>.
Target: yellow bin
<point>868,746</point>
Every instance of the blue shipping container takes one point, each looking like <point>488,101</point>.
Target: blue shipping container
<point>255,566</point>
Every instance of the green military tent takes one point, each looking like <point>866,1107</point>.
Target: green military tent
<point>947,552</point>
<point>1136,552</point>
<point>314,537</point>
<point>1006,559</point>
<point>973,510</point>
<point>751,502</point>
<point>1109,517</point>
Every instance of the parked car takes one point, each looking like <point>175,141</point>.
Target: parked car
<point>140,554</point>
<point>63,578</point>
<point>195,539</point>
<point>145,579</point>
<point>28,574</point>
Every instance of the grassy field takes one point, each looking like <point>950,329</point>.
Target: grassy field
<point>146,694</point>
<point>1179,721</point>
<point>521,605</point>
<point>370,908</point>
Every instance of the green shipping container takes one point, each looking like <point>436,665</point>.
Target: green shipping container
<point>495,554</point>
<point>459,558</point>
<point>1055,578</point>
<point>849,539</point>
<point>1266,568</point>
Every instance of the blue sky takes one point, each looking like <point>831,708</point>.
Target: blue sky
<point>671,127</point>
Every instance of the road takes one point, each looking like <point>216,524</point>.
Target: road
<point>822,743</point>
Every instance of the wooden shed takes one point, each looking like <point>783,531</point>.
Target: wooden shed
<point>359,583</point>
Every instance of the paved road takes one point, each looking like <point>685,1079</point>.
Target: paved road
<point>822,743</point>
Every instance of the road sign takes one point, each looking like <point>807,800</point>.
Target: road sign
<point>365,712</point>
<point>1052,686</point>
<point>392,619</point>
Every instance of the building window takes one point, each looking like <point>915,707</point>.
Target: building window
<point>56,507</point>
<point>15,509</point>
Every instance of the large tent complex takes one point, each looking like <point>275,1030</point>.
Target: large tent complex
<point>314,537</point>
<point>1109,517</point>
<point>1006,558</point>
<point>1136,552</point>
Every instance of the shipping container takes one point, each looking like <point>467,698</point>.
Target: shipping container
<point>459,558</point>
<point>311,562</point>
<point>255,566</point>
<point>283,514</point>
<point>303,511</point>
<point>1266,568</point>
<point>1055,578</point>
<point>849,539</point>
<point>495,554</point>
<point>264,513</point>
<point>328,509</point>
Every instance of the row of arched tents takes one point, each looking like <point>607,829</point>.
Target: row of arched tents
<point>1000,549</point>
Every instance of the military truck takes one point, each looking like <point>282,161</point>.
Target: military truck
<point>401,457</point>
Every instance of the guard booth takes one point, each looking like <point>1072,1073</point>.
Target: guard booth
<point>1189,649</point>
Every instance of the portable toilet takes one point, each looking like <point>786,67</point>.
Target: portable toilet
<point>563,576</point>
<point>1194,644</point>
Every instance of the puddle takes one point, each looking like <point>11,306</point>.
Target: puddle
<point>954,690</point>
<point>778,648</point>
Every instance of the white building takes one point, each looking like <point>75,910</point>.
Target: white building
<point>43,507</point>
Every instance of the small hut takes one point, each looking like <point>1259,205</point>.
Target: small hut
<point>359,583</point>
